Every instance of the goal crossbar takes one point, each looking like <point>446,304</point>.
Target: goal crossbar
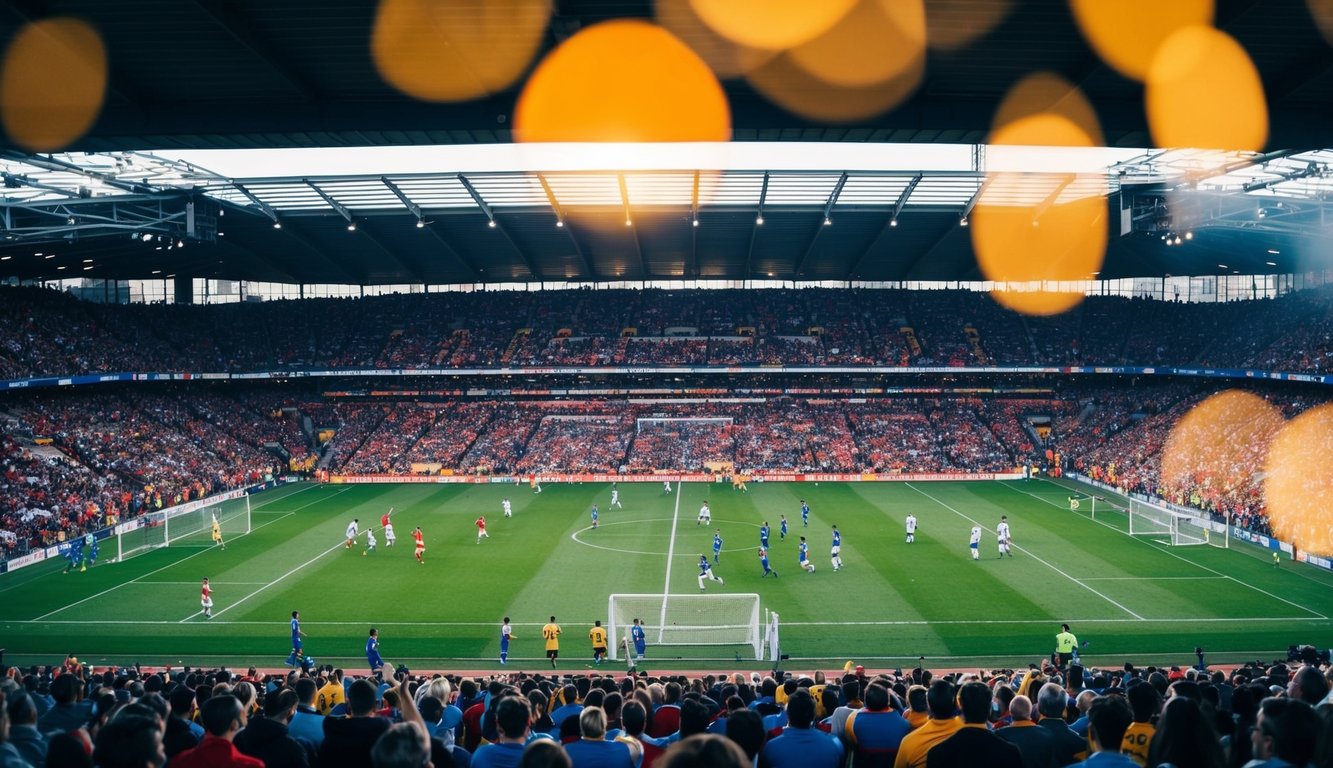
<point>693,620</point>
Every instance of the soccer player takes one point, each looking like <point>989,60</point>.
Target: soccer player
<point>837,549</point>
<point>666,486</point>
<point>911,527</point>
<point>615,498</point>
<point>706,573</point>
<point>90,547</point>
<point>598,636</point>
<point>217,533</point>
<point>717,544</point>
<point>206,599</point>
<point>535,484</point>
<point>481,529</point>
<point>352,529</point>
<point>805,514</point>
<point>594,516</point>
<point>763,535</point>
<point>373,652</point>
<point>420,540</point>
<point>552,634</point>
<point>763,560</point>
<point>370,542</point>
<point>803,555</point>
<point>506,634</point>
<point>640,639</point>
<point>75,554</point>
<point>1002,536</point>
<point>297,634</point>
<point>387,525</point>
<point>705,515</point>
<point>782,527</point>
<point>508,508</point>
<point>975,542</point>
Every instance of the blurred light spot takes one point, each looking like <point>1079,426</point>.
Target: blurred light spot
<point>790,86</point>
<point>456,50</point>
<point>53,83</point>
<point>1203,91</point>
<point>1127,34</point>
<point>1322,11</point>
<point>875,42</point>
<point>1040,229</point>
<point>1218,445</point>
<point>1298,481</point>
<point>622,80</point>
<point>771,24</point>
<point>954,24</point>
<point>725,57</point>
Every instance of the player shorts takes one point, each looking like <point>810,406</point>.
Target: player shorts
<point>217,537</point>
<point>207,602</point>
<point>421,549</point>
<point>389,534</point>
<point>552,653</point>
<point>835,551</point>
<point>600,650</point>
<point>973,545</point>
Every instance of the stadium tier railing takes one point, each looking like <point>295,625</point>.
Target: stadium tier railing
<point>677,477</point>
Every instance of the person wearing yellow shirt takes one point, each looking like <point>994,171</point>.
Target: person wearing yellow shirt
<point>941,725</point>
<point>551,633</point>
<point>1065,642</point>
<point>332,694</point>
<point>1145,702</point>
<point>598,636</point>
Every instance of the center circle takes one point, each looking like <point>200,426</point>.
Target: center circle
<point>580,537</point>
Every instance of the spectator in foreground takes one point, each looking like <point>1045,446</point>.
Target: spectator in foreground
<point>1285,734</point>
<point>544,753</point>
<point>512,717</point>
<point>973,743</point>
<point>131,741</point>
<point>223,717</point>
<point>875,733</point>
<point>1036,745</point>
<point>592,750</point>
<point>348,740</point>
<point>269,739</point>
<point>1185,738</point>
<point>1069,748</point>
<point>941,725</point>
<point>23,733</point>
<point>1108,719</point>
<point>307,723</point>
<point>800,745</point>
<point>706,750</point>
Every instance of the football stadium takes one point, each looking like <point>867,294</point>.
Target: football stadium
<point>621,372</point>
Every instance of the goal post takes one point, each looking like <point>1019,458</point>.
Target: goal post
<point>687,620</point>
<point>1180,529</point>
<point>185,524</point>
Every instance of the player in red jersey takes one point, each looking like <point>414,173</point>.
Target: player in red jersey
<point>206,599</point>
<point>387,525</point>
<point>481,529</point>
<point>421,544</point>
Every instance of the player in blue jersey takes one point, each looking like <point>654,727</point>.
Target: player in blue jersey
<point>706,573</point>
<point>75,554</point>
<point>373,652</point>
<point>805,514</point>
<point>640,639</point>
<point>763,535</point>
<point>90,551</point>
<point>803,556</point>
<point>506,634</point>
<point>782,528</point>
<point>594,515</point>
<point>763,560</point>
<point>837,549</point>
<point>297,634</point>
<point>717,544</point>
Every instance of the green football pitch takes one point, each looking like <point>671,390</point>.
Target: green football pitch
<point>1128,598</point>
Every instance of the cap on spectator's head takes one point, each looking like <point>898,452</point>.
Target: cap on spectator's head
<point>860,670</point>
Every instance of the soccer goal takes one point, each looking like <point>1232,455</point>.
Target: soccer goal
<point>687,620</point>
<point>186,524</point>
<point>1177,528</point>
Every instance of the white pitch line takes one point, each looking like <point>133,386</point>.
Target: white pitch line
<point>671,551</point>
<point>146,575</point>
<point>901,623</point>
<point>1165,551</point>
<point>1154,578</point>
<point>283,576</point>
<point>1029,553</point>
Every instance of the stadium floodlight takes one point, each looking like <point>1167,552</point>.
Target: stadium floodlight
<point>277,224</point>
<point>828,222</point>
<point>421,223</point>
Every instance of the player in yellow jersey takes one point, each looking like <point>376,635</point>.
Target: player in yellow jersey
<point>552,634</point>
<point>598,636</point>
<point>217,533</point>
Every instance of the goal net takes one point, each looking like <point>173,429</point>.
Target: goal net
<point>1177,528</point>
<point>687,620</point>
<point>185,524</point>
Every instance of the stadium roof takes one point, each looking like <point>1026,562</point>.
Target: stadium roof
<point>189,77</point>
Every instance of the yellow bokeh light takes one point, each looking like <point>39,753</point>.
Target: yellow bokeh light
<point>622,80</point>
<point>456,50</point>
<point>1127,34</point>
<point>1322,12</point>
<point>1038,229</point>
<point>874,43</point>
<point>954,24</point>
<point>1219,443</point>
<point>790,86</point>
<point>774,25</point>
<point>725,57</point>
<point>53,83</point>
<point>1298,481</point>
<point>1203,91</point>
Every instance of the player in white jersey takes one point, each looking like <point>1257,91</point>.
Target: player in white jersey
<point>615,499</point>
<point>666,486</point>
<point>1002,536</point>
<point>352,529</point>
<point>389,537</point>
<point>508,508</point>
<point>975,542</point>
<point>370,541</point>
<point>911,528</point>
<point>705,515</point>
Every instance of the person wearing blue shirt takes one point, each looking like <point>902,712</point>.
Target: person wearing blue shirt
<point>717,544</point>
<point>706,573</point>
<point>805,514</point>
<point>373,651</point>
<point>763,535</point>
<point>297,634</point>
<point>803,556</point>
<point>1108,719</point>
<point>636,634</point>
<point>512,715</point>
<point>90,542</point>
<point>782,528</point>
<point>594,515</point>
<point>837,549</point>
<point>763,560</point>
<point>75,554</point>
<point>593,750</point>
<point>800,745</point>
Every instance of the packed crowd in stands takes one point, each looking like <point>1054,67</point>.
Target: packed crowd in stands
<point>1048,716</point>
<point>46,333</point>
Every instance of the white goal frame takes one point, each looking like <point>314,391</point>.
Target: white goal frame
<point>175,525</point>
<point>684,619</point>
<point>1182,530</point>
